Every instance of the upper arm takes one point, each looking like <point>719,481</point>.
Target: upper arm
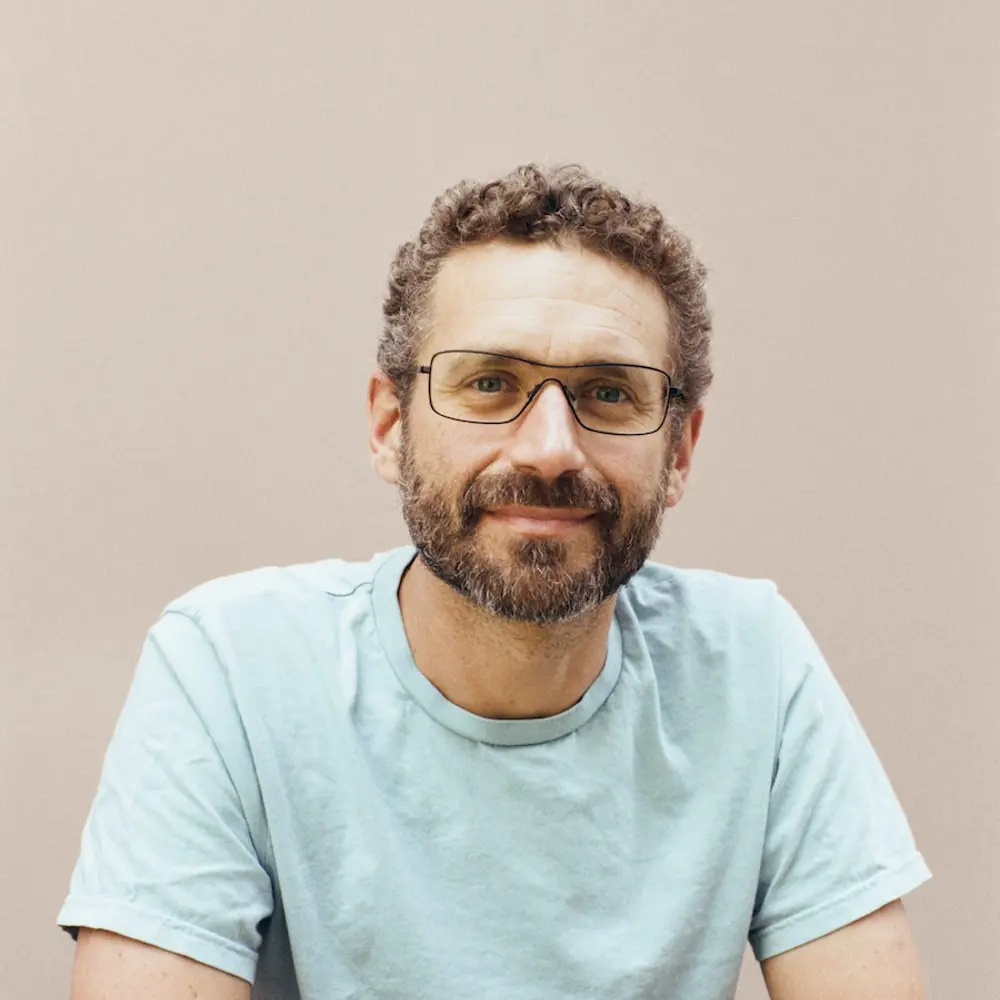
<point>873,958</point>
<point>172,852</point>
<point>111,967</point>
<point>836,843</point>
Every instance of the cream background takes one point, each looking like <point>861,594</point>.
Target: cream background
<point>199,203</point>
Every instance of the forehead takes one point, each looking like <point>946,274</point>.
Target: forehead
<point>556,304</point>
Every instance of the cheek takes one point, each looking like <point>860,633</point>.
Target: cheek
<point>444,461</point>
<point>636,473</point>
<point>422,442</point>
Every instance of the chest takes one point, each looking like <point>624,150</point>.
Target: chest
<point>514,871</point>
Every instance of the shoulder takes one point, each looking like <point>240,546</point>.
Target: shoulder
<point>706,644</point>
<point>703,599</point>
<point>268,590</point>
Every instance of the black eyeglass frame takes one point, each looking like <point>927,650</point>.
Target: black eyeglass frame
<point>673,392</point>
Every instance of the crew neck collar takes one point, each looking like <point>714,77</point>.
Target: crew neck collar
<point>502,732</point>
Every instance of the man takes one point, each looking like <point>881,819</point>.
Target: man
<point>516,760</point>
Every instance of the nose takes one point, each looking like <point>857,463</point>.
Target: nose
<point>547,436</point>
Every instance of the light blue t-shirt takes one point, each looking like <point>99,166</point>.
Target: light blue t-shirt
<point>286,797</point>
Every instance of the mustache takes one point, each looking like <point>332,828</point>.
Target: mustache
<point>570,490</point>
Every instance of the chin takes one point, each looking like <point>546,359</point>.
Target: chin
<point>547,555</point>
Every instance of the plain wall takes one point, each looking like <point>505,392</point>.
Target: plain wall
<point>199,204</point>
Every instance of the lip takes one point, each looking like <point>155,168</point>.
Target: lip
<point>541,520</point>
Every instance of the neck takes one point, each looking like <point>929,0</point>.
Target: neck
<point>497,668</point>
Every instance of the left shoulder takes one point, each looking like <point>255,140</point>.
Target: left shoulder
<point>706,598</point>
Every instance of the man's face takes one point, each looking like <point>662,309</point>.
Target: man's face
<point>539,519</point>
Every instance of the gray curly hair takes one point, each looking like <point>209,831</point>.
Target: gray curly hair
<point>556,204</point>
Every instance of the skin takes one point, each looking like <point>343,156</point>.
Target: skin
<point>108,966</point>
<point>874,958</point>
<point>555,305</point>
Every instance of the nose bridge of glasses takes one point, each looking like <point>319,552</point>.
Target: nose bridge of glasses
<point>566,390</point>
<point>552,425</point>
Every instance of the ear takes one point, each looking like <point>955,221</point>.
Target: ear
<point>681,468</point>
<point>384,426</point>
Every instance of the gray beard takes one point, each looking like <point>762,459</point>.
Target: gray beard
<point>533,584</point>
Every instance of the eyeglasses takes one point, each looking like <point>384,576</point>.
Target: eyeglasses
<point>479,387</point>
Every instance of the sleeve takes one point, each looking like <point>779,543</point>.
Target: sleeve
<point>168,855</point>
<point>837,844</point>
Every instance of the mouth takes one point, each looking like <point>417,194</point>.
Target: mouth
<point>541,520</point>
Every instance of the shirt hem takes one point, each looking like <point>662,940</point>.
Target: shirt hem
<point>158,930</point>
<point>817,922</point>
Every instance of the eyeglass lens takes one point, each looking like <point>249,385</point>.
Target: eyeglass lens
<point>491,388</point>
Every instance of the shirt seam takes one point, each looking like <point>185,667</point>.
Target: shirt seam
<point>784,923</point>
<point>193,930</point>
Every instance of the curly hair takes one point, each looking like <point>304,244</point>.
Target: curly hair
<point>556,204</point>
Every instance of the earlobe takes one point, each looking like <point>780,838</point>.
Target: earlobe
<point>385,455</point>
<point>387,460</point>
<point>386,466</point>
<point>675,488</point>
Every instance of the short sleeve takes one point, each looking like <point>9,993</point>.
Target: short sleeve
<point>837,843</point>
<point>168,855</point>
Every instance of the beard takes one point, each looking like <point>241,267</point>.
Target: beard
<point>531,580</point>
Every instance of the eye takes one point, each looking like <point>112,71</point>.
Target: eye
<point>488,383</point>
<point>605,393</point>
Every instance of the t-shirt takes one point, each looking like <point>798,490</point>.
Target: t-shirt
<point>288,798</point>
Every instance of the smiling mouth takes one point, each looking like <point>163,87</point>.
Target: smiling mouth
<point>542,520</point>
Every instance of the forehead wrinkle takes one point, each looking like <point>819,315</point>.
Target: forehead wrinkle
<point>600,286</point>
<point>631,326</point>
<point>632,318</point>
<point>590,338</point>
<point>501,305</point>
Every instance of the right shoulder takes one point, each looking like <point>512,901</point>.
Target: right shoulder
<point>268,588</point>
